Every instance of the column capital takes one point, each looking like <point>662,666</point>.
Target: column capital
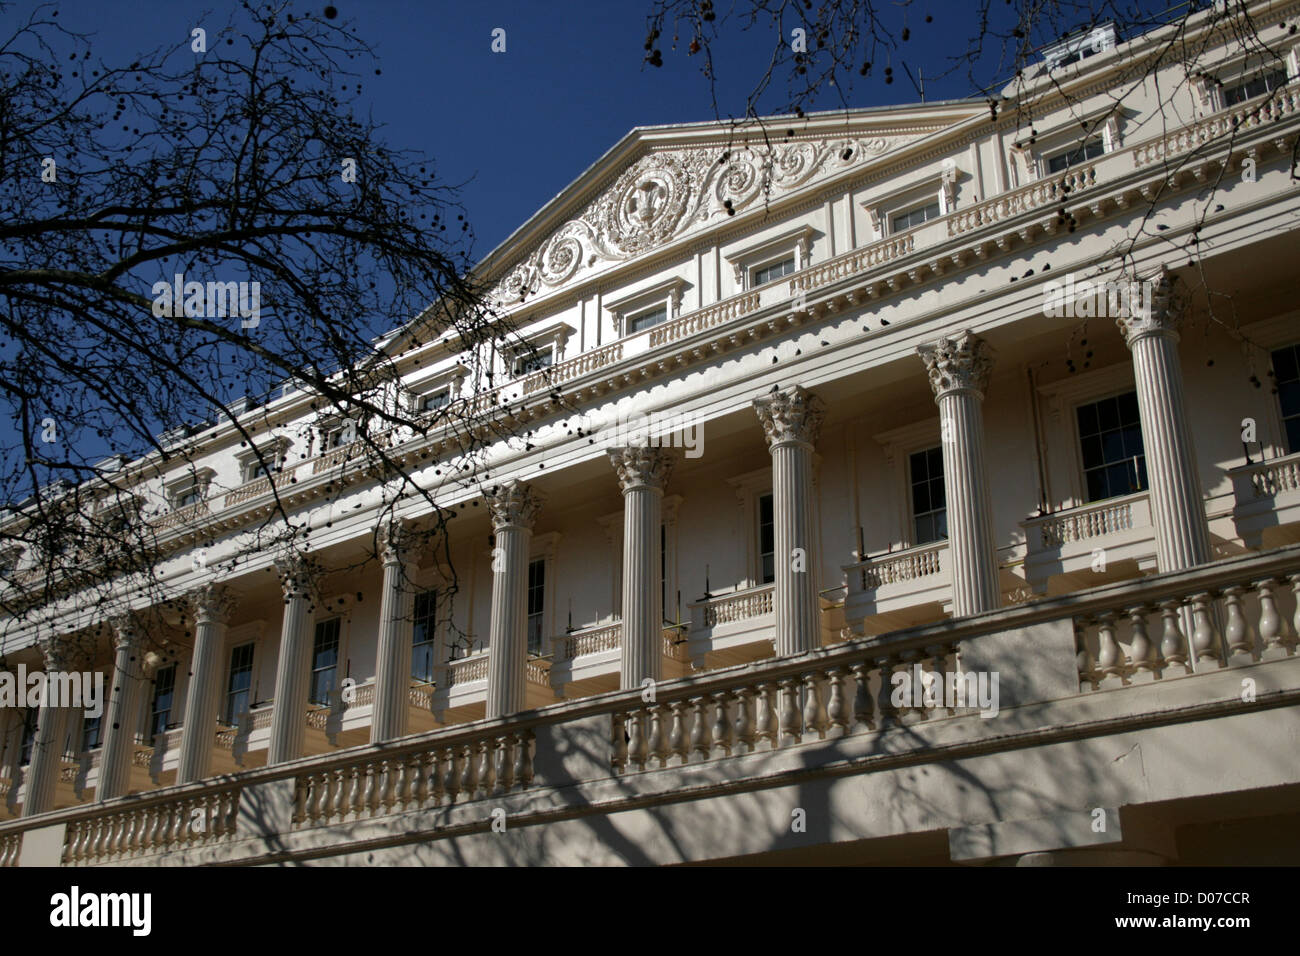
<point>211,604</point>
<point>791,415</point>
<point>299,576</point>
<point>513,504</point>
<point>395,541</point>
<point>963,362</point>
<point>127,632</point>
<point>1160,311</point>
<point>642,466</point>
<point>58,653</point>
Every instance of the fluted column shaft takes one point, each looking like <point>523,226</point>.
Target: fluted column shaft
<point>47,748</point>
<point>643,473</point>
<point>1177,507</point>
<point>293,668</point>
<point>791,423</point>
<point>212,606</point>
<point>513,508</point>
<point>393,663</point>
<point>959,370</point>
<point>120,719</point>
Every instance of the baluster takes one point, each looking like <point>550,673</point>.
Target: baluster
<point>469,771</point>
<point>1082,659</point>
<point>370,793</point>
<point>180,822</point>
<point>98,845</point>
<point>789,718</point>
<point>451,780</point>
<point>938,658</point>
<point>300,800</point>
<point>162,820</point>
<point>744,722</point>
<point>837,711</point>
<point>220,814</point>
<point>658,739</point>
<point>618,742</point>
<point>486,768</point>
<point>699,730</point>
<point>636,742</point>
<point>422,767</point>
<point>71,846</point>
<point>885,696</point>
<point>121,828</point>
<point>765,726</point>
<point>524,758</point>
<point>1295,623</point>
<point>721,725</point>
<point>505,764</point>
<point>677,738</point>
<point>814,711</point>
<point>1270,622</point>
<point>1142,652</point>
<point>356,790</point>
<point>316,797</point>
<point>388,769</point>
<point>328,795</point>
<point>1205,637</point>
<point>1173,647</point>
<point>1110,659</point>
<point>863,706</point>
<point>1236,633</point>
<point>338,806</point>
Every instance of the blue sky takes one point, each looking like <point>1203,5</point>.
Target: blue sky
<point>517,127</point>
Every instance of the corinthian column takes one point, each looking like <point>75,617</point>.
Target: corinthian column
<point>959,369</point>
<point>792,420</point>
<point>513,507</point>
<point>51,732</point>
<point>1182,533</point>
<point>212,606</point>
<point>298,579</point>
<point>642,473</point>
<point>388,719</point>
<point>123,713</point>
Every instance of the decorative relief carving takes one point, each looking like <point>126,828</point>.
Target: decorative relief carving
<point>1167,304</point>
<point>641,466</point>
<point>212,603</point>
<point>513,505</point>
<point>299,577</point>
<point>964,361</point>
<point>668,193</point>
<point>792,415</point>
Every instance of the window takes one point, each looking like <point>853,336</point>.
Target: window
<point>238,687</point>
<point>191,496</point>
<point>324,660</point>
<point>536,602</point>
<point>90,733</point>
<point>647,319</point>
<point>929,496</point>
<point>270,461</point>
<point>1073,157</point>
<point>1110,440</point>
<point>339,435</point>
<point>30,717</point>
<point>160,710</point>
<point>914,217</point>
<point>1286,368</point>
<point>772,272</point>
<point>435,400</point>
<point>423,634</point>
<point>766,541</point>
<point>1244,90</point>
<point>534,361</point>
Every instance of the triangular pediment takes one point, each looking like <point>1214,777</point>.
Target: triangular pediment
<point>668,184</point>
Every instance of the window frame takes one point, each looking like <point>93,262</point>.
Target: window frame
<point>337,620</point>
<point>1282,418</point>
<point>153,730</point>
<point>1086,499</point>
<point>230,718</point>
<point>910,477</point>
<point>430,621</point>
<point>796,243</point>
<point>666,294</point>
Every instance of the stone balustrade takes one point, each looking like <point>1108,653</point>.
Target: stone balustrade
<point>738,606</point>
<point>1051,651</point>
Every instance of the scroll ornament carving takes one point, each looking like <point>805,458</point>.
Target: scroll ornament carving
<point>668,193</point>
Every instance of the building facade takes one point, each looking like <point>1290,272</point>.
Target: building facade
<point>892,486</point>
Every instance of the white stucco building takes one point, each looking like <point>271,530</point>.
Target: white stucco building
<point>895,453</point>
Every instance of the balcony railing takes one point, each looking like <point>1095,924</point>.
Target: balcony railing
<point>736,607</point>
<point>1125,634</point>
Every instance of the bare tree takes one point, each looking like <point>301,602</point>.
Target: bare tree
<point>231,167</point>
